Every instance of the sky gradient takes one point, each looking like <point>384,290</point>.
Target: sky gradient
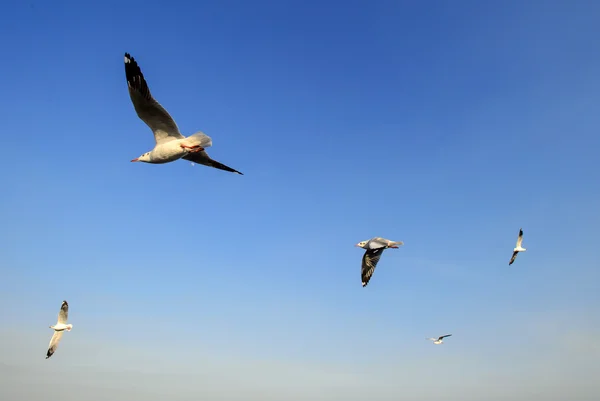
<point>446,125</point>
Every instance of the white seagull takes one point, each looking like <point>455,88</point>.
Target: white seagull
<point>518,248</point>
<point>440,339</point>
<point>375,247</point>
<point>170,145</point>
<point>60,326</point>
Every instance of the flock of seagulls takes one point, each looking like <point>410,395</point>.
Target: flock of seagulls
<point>171,145</point>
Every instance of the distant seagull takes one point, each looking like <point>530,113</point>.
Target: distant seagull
<point>170,144</point>
<point>440,339</point>
<point>59,328</point>
<point>374,247</point>
<point>518,248</point>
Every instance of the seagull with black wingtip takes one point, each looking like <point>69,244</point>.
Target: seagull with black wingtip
<point>59,328</point>
<point>518,248</point>
<point>375,247</point>
<point>170,145</point>
<point>439,340</point>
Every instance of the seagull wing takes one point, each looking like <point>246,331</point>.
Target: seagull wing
<point>520,239</point>
<point>514,256</point>
<point>446,335</point>
<point>63,315</point>
<point>54,343</point>
<point>203,158</point>
<point>369,262</point>
<point>146,107</point>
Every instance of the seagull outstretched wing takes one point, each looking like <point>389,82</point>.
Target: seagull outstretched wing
<point>520,239</point>
<point>147,108</point>
<point>369,263</point>
<point>54,343</point>
<point>514,256</point>
<point>203,158</point>
<point>63,315</point>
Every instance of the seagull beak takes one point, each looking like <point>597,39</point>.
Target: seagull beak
<point>136,159</point>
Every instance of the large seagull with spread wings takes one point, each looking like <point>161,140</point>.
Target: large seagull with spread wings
<point>170,145</point>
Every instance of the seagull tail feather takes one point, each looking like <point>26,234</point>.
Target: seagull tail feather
<point>199,138</point>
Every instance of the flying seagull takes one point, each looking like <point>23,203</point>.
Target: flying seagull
<point>440,339</point>
<point>60,326</point>
<point>518,248</point>
<point>374,247</point>
<point>170,145</point>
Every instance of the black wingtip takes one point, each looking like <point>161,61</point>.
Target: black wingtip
<point>135,77</point>
<point>131,67</point>
<point>221,166</point>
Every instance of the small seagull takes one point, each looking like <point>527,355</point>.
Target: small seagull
<point>375,247</point>
<point>518,248</point>
<point>170,145</point>
<point>440,339</point>
<point>59,328</point>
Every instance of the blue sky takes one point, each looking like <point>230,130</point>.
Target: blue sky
<point>446,125</point>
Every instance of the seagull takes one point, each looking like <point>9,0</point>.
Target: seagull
<point>374,247</point>
<point>440,339</point>
<point>518,248</point>
<point>60,326</point>
<point>170,145</point>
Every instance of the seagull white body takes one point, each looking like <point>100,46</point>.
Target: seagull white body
<point>59,328</point>
<point>170,145</point>
<point>375,247</point>
<point>517,248</point>
<point>439,340</point>
<point>165,152</point>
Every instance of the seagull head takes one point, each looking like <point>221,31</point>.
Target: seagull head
<point>143,158</point>
<point>361,244</point>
